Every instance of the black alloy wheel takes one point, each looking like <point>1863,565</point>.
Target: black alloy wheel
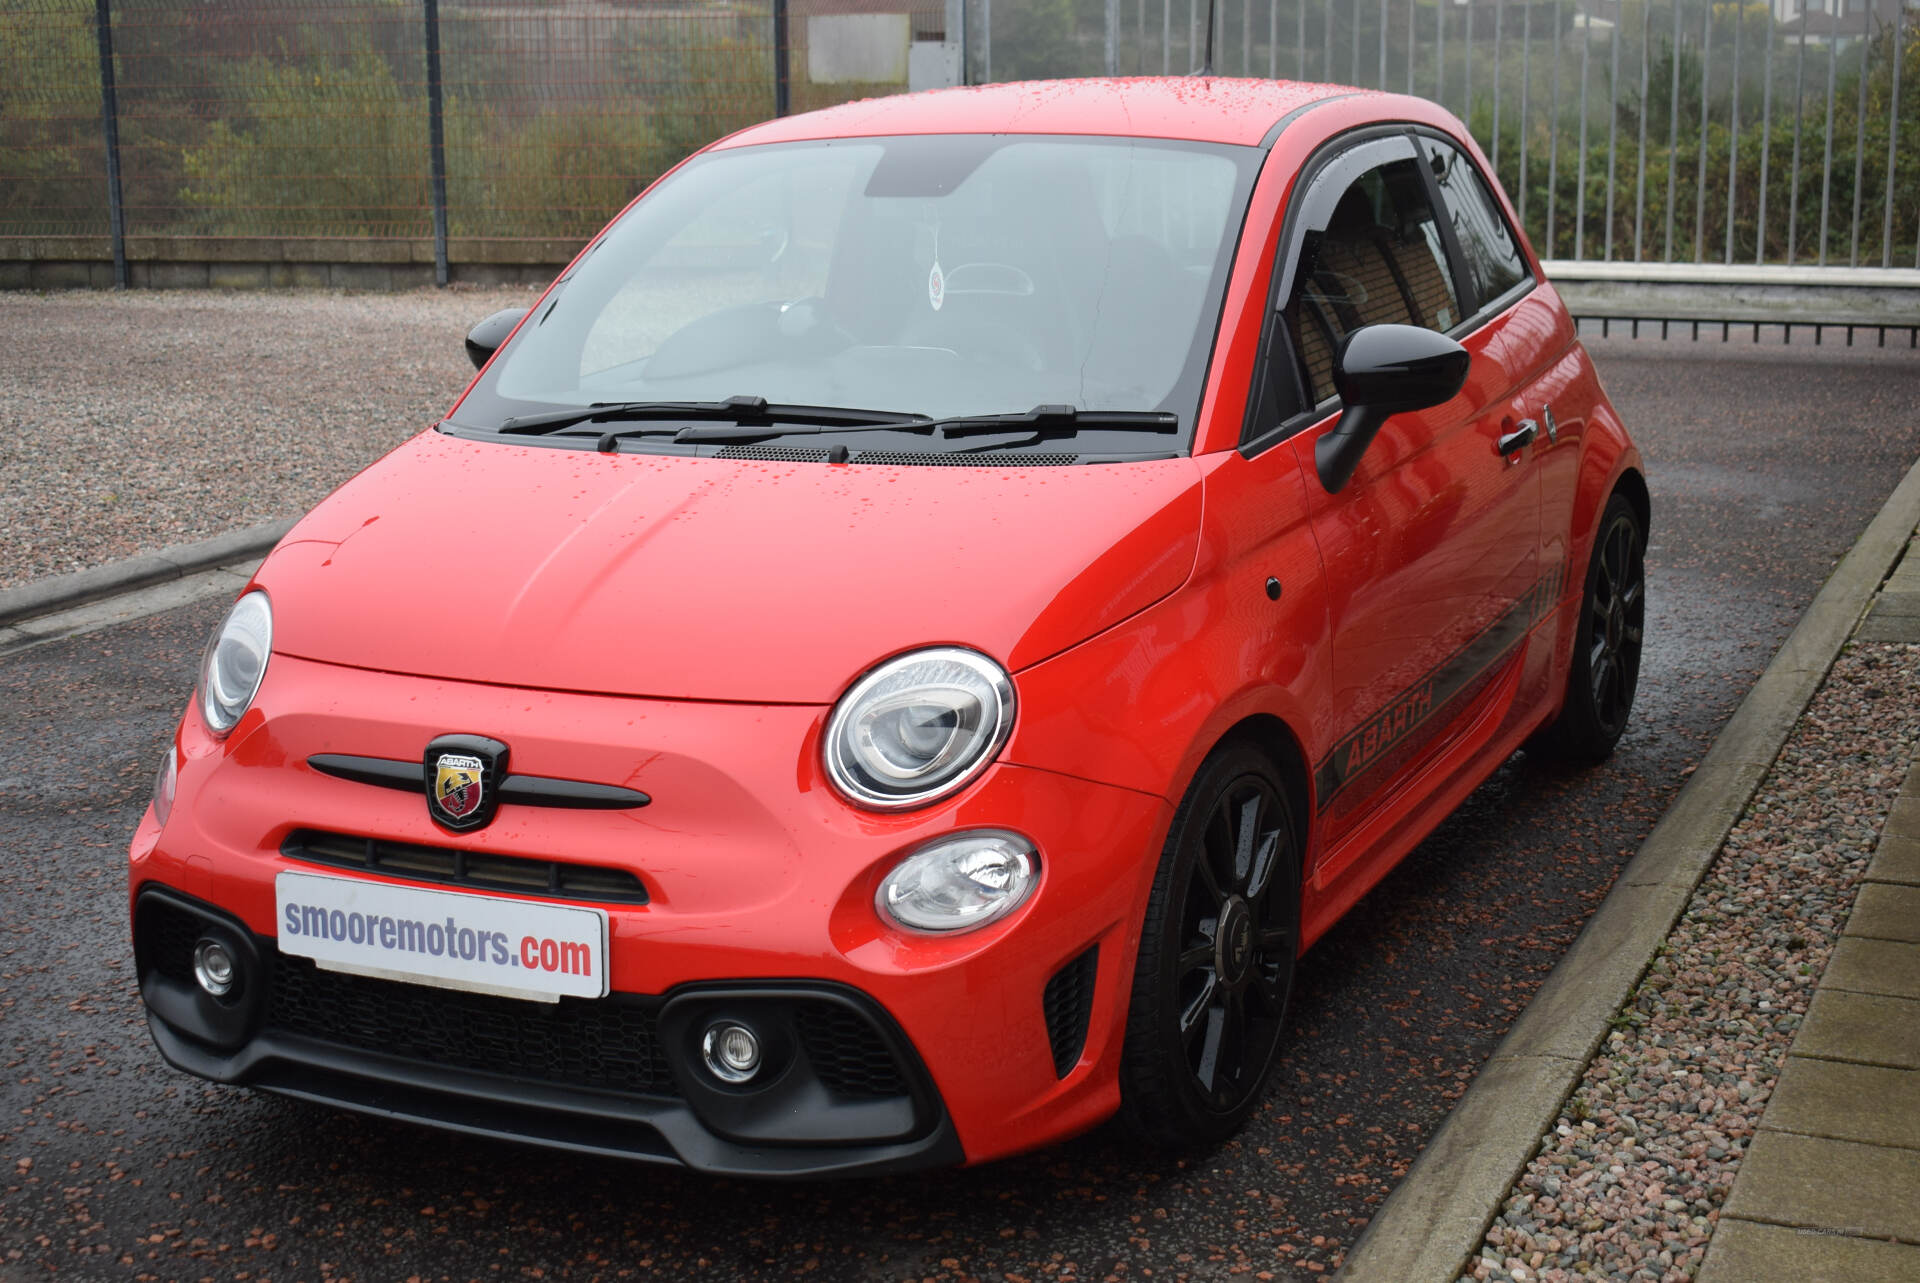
<point>1216,957</point>
<point>1616,619</point>
<point>1607,644</point>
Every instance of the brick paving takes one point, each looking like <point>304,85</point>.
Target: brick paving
<point>1830,1189</point>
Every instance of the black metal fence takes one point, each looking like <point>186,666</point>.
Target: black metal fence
<point>1675,130</point>
<point>284,118</point>
<point>1700,131</point>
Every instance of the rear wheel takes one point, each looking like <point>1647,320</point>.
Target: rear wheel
<point>1216,960</point>
<point>1607,643</point>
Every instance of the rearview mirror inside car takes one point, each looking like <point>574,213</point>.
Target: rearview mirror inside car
<point>1381,371</point>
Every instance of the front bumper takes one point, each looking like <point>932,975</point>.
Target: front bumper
<point>613,1076</point>
<point>758,893</point>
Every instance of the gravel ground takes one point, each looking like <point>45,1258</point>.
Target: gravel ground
<point>1630,1182</point>
<point>139,420</point>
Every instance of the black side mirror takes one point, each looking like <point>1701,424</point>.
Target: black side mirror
<point>484,339</point>
<point>1381,371</point>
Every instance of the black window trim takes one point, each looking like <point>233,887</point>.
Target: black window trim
<point>1465,291</point>
<point>1484,310</point>
<point>1254,440</point>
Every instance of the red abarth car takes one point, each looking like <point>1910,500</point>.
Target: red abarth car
<point>900,650</point>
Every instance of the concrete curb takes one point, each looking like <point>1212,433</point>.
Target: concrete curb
<point>62,592</point>
<point>1435,1220</point>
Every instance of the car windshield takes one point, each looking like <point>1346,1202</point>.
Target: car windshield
<point>936,275</point>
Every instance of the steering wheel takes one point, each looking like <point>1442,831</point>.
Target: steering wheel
<point>995,279</point>
<point>1352,290</point>
<point>808,318</point>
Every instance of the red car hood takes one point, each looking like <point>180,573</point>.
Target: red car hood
<point>716,579</point>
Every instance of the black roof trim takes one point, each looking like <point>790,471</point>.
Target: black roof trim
<point>1272,136</point>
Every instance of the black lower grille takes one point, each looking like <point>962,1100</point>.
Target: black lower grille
<point>612,1043</point>
<point>847,1053</point>
<point>1069,1004</point>
<point>167,934</point>
<point>608,1043</point>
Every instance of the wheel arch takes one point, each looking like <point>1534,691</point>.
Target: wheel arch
<point>1634,486</point>
<point>1626,481</point>
<point>1276,741</point>
<point>1568,733</point>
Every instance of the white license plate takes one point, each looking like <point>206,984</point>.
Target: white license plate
<point>488,944</point>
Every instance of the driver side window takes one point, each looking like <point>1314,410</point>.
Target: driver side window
<point>1374,256</point>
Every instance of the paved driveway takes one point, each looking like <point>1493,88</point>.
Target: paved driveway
<point>1765,463</point>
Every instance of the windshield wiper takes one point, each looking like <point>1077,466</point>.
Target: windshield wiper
<point>1041,421</point>
<point>735,410</point>
<point>737,433</point>
<point>744,419</point>
<point>1056,420</point>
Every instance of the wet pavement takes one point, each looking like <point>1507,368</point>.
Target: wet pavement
<point>1764,463</point>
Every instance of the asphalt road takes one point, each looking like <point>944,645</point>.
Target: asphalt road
<point>1765,464</point>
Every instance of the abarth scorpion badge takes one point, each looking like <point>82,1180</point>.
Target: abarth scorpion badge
<point>457,787</point>
<point>463,775</point>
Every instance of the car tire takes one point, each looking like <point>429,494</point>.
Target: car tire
<point>1217,954</point>
<point>1606,646</point>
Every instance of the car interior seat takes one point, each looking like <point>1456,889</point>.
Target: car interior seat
<point>1361,271</point>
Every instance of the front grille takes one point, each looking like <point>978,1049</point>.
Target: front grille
<point>1069,1004</point>
<point>989,459</point>
<point>847,1053</point>
<point>466,868</point>
<point>609,1043</point>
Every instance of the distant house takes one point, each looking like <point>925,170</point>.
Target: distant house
<point>1841,21</point>
<point>1601,16</point>
<point>1824,20</point>
<point>875,42</point>
<point>928,18</point>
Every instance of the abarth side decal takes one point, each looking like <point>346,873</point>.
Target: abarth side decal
<point>1387,738</point>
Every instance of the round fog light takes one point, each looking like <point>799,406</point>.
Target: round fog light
<point>732,1052</point>
<point>213,967</point>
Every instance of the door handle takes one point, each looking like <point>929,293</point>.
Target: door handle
<point>1511,442</point>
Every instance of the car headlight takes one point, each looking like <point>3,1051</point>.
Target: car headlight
<point>918,727</point>
<point>959,882</point>
<point>235,661</point>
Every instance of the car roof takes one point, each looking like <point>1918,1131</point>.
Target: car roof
<point>1217,109</point>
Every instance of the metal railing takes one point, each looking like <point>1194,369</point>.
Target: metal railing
<point>1742,300</point>
<point>1677,131</point>
<point>1696,131</point>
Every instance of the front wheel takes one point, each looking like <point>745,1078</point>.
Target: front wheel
<point>1216,959</point>
<point>1606,649</point>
